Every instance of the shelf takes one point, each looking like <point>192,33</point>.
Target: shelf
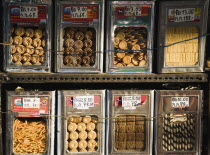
<point>100,78</point>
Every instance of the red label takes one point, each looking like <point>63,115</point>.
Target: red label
<point>69,100</point>
<point>28,13</point>
<point>80,12</point>
<point>118,100</point>
<point>30,112</point>
<point>131,11</point>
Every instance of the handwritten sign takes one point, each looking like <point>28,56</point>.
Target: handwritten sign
<point>83,102</point>
<point>184,15</point>
<point>28,12</point>
<point>131,102</point>
<point>78,12</point>
<point>31,103</point>
<point>180,102</point>
<point>132,11</point>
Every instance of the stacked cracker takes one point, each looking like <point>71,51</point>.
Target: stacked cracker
<point>185,53</point>
<point>27,45</point>
<point>79,47</point>
<point>82,135</point>
<point>130,44</point>
<point>130,133</point>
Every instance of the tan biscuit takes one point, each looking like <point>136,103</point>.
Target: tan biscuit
<point>18,63</point>
<point>92,135</point>
<point>82,144</point>
<point>123,45</point>
<point>26,57</point>
<point>73,144</point>
<point>38,33</point>
<point>91,126</point>
<point>121,35</point>
<point>37,42</point>
<point>73,135</point>
<point>120,54</point>
<point>86,119</point>
<point>88,43</point>
<point>72,127</point>
<point>89,35</point>
<point>27,41</point>
<point>69,42</point>
<point>69,50</point>
<point>17,40</point>
<point>35,59</point>
<point>12,49</point>
<point>68,60</point>
<point>29,32</point>
<point>88,52</point>
<point>127,60</point>
<point>39,51</point>
<point>79,35</point>
<point>81,127</point>
<point>78,44</point>
<point>86,60</point>
<point>42,59</point>
<point>19,31</point>
<point>83,135</point>
<point>116,41</point>
<point>43,43</point>
<point>20,49</point>
<point>30,49</point>
<point>69,34</point>
<point>16,57</point>
<point>92,144</point>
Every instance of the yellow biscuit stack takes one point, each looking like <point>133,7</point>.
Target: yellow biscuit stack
<point>185,53</point>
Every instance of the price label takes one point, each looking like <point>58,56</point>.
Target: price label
<point>184,15</point>
<point>28,12</point>
<point>83,102</point>
<point>78,12</point>
<point>31,103</point>
<point>131,102</point>
<point>180,102</point>
<point>132,11</point>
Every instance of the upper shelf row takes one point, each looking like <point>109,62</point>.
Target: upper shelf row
<point>80,31</point>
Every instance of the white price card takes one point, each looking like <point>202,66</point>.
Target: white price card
<point>78,12</point>
<point>184,15</point>
<point>132,10</point>
<point>28,12</point>
<point>131,102</point>
<point>180,102</point>
<point>83,102</point>
<point>31,103</point>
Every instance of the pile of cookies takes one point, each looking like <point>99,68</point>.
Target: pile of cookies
<point>82,134</point>
<point>129,45</point>
<point>184,53</point>
<point>179,134</point>
<point>27,45</point>
<point>130,133</point>
<point>79,47</point>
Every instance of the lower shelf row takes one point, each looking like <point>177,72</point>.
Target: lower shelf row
<point>89,121</point>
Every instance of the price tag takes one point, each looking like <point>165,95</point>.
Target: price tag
<point>83,102</point>
<point>184,15</point>
<point>131,102</point>
<point>31,103</point>
<point>28,12</point>
<point>78,12</point>
<point>180,102</point>
<point>132,11</point>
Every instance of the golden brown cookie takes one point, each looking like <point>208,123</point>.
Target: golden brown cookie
<point>43,43</point>
<point>76,119</point>
<point>83,135</point>
<point>19,31</point>
<point>81,127</point>
<point>88,43</point>
<point>17,40</point>
<point>142,63</point>
<point>92,144</point>
<point>121,35</point>
<point>120,54</point>
<point>35,59</point>
<point>42,59</point>
<point>69,50</point>
<point>91,126</point>
<point>29,32</point>
<point>27,41</point>
<point>38,33</point>
<point>30,49</point>
<point>72,127</point>
<point>136,47</point>
<point>73,135</point>
<point>92,135</point>
<point>79,35</point>
<point>123,45</point>
<point>69,42</point>
<point>88,51</point>
<point>68,60</point>
<point>39,51</point>
<point>78,44</point>
<point>127,60</point>
<point>73,144</point>
<point>37,42</point>
<point>27,63</point>
<point>92,59</point>
<point>18,63</point>
<point>12,49</point>
<point>119,65</point>
<point>86,60</point>
<point>20,49</point>
<point>82,144</point>
<point>89,35</point>
<point>16,57</point>
<point>91,150</point>
<point>69,34</point>
<point>116,41</point>
<point>26,57</point>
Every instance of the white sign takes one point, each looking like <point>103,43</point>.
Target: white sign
<point>130,102</point>
<point>184,15</point>
<point>83,102</point>
<point>28,12</point>
<point>179,102</point>
<point>78,12</point>
<point>132,11</point>
<point>31,103</point>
